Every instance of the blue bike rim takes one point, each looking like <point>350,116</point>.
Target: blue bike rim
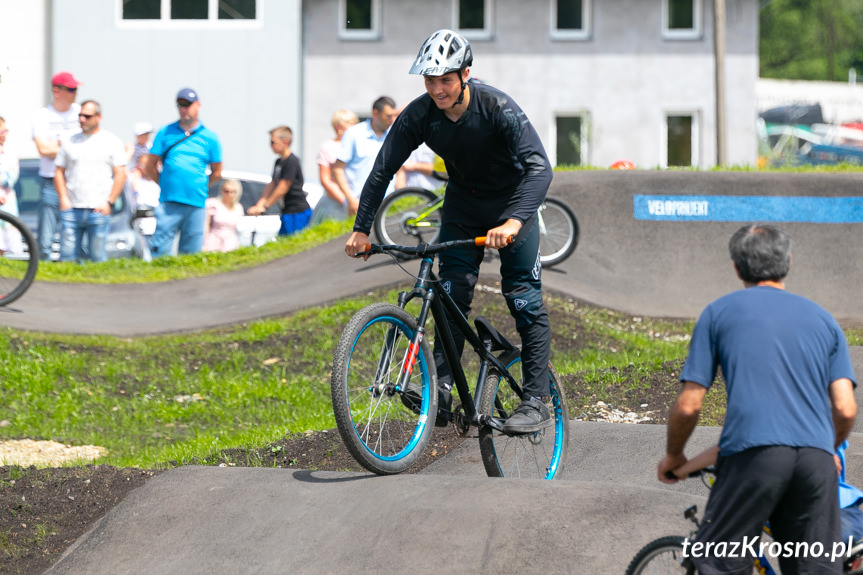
<point>422,418</point>
<point>559,422</point>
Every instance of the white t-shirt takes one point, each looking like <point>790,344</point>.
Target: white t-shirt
<point>89,163</point>
<point>49,124</point>
<point>415,179</point>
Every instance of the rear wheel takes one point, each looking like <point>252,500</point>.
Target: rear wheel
<point>19,258</point>
<point>383,430</point>
<point>539,455</point>
<point>661,557</point>
<point>409,216</point>
<point>558,232</point>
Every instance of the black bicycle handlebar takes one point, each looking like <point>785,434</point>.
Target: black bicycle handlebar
<point>696,473</point>
<point>424,249</point>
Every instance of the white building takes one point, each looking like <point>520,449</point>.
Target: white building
<point>601,80</point>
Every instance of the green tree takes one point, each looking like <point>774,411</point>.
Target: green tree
<point>810,39</point>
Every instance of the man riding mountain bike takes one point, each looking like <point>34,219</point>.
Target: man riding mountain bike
<point>499,174</point>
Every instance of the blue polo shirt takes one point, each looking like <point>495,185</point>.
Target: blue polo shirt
<point>779,353</point>
<point>360,147</point>
<point>184,176</point>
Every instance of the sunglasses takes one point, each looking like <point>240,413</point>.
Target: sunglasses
<point>184,104</point>
<point>86,116</point>
<point>68,89</point>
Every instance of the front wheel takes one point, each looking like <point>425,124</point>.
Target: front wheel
<point>19,258</point>
<point>539,455</point>
<point>409,216</point>
<point>663,556</point>
<point>558,232</point>
<point>381,426</point>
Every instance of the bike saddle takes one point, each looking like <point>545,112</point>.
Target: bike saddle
<point>487,332</point>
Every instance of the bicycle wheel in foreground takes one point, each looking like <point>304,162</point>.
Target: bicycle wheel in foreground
<point>376,421</point>
<point>408,216</point>
<point>19,258</point>
<point>539,455</point>
<point>558,232</point>
<point>661,557</point>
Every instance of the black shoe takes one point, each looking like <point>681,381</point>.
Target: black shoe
<point>530,416</point>
<point>412,398</point>
<point>444,407</point>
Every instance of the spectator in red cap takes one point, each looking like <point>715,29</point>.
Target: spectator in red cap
<point>51,124</point>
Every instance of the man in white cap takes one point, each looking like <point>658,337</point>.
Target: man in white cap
<point>185,150</point>
<point>51,124</point>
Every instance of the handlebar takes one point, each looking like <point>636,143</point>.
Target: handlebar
<point>710,470</point>
<point>424,249</point>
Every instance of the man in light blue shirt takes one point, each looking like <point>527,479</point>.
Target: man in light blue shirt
<point>360,146</point>
<point>185,149</point>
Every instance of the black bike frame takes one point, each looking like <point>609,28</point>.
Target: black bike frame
<point>442,306</point>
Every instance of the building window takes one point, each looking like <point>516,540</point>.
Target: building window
<point>359,19</point>
<point>681,19</point>
<point>189,9</point>
<point>570,19</point>
<point>570,141</point>
<point>237,10</point>
<point>185,11</point>
<point>473,18</point>
<point>681,134</point>
<point>142,9</point>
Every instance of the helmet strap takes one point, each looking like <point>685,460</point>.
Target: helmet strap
<point>463,85</point>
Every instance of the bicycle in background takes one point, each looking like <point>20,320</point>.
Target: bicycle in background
<point>412,215</point>
<point>385,393</point>
<point>19,258</point>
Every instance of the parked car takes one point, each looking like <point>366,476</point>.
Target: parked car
<point>122,240</point>
<point>258,230</point>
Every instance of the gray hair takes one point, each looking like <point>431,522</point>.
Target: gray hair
<point>761,252</point>
<point>96,105</point>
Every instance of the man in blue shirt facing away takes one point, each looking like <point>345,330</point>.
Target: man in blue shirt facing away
<point>184,149</point>
<point>790,388</point>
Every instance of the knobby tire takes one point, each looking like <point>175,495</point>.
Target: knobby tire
<point>540,455</point>
<point>397,209</point>
<point>18,265</point>
<point>559,233</point>
<point>661,557</point>
<point>383,434</point>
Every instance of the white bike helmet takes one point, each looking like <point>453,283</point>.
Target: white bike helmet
<point>443,52</point>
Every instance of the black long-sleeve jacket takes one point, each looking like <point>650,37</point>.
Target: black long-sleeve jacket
<point>497,166</point>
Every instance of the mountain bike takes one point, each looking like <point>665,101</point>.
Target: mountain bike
<point>383,360</point>
<point>667,555</point>
<point>18,261</point>
<point>412,215</point>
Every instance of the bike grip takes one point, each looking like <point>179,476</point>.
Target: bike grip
<point>367,249</point>
<point>480,241</point>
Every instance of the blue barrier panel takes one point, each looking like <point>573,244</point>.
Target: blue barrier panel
<point>826,210</point>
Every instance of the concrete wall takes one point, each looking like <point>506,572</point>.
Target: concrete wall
<point>24,68</point>
<point>675,268</point>
<point>625,77</point>
<point>245,71</point>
